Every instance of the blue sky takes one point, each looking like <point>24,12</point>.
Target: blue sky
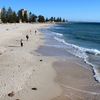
<point>75,10</point>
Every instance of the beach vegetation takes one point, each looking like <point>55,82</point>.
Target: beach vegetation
<point>41,19</point>
<point>23,16</point>
<point>20,16</point>
<point>33,18</point>
<point>4,15</point>
<point>46,19</point>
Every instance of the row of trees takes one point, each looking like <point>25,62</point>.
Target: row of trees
<point>54,19</point>
<point>10,16</point>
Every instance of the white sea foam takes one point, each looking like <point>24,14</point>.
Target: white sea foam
<point>74,49</point>
<point>78,48</point>
<point>93,51</point>
<point>96,73</point>
<point>82,53</point>
<point>58,34</point>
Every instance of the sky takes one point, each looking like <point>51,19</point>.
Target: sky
<point>73,10</point>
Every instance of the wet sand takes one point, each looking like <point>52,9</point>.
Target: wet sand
<point>74,76</point>
<point>45,50</point>
<point>77,82</point>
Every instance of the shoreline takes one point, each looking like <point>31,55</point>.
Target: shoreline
<point>90,85</point>
<point>83,52</point>
<point>30,73</point>
<point>76,81</point>
<point>75,72</point>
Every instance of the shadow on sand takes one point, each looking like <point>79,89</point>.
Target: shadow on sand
<point>13,46</point>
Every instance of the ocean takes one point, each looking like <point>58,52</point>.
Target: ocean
<point>81,39</point>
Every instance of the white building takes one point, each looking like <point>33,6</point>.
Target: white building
<point>24,11</point>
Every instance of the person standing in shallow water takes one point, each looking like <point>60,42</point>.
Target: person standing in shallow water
<point>21,42</point>
<point>27,37</point>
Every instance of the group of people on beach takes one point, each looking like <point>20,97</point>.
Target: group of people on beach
<point>27,38</point>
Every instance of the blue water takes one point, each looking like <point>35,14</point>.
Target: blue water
<point>81,34</point>
<point>81,40</point>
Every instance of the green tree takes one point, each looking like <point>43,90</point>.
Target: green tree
<point>4,15</point>
<point>47,20</point>
<point>52,19</point>
<point>63,20</point>
<point>33,18</point>
<point>20,16</point>
<point>15,17</point>
<point>30,15</point>
<point>41,19</point>
<point>25,17</point>
<point>10,15</point>
<point>58,19</point>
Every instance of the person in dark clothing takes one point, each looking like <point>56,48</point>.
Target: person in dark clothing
<point>35,32</point>
<point>21,42</point>
<point>27,37</point>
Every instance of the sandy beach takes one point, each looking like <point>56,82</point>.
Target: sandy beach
<point>73,75</point>
<point>77,82</point>
<point>23,73</point>
<point>26,74</point>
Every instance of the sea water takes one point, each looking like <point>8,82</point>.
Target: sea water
<point>81,39</point>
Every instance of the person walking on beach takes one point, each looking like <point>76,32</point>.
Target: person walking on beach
<point>21,42</point>
<point>35,32</point>
<point>27,37</point>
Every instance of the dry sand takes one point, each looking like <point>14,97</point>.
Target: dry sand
<point>22,75</point>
